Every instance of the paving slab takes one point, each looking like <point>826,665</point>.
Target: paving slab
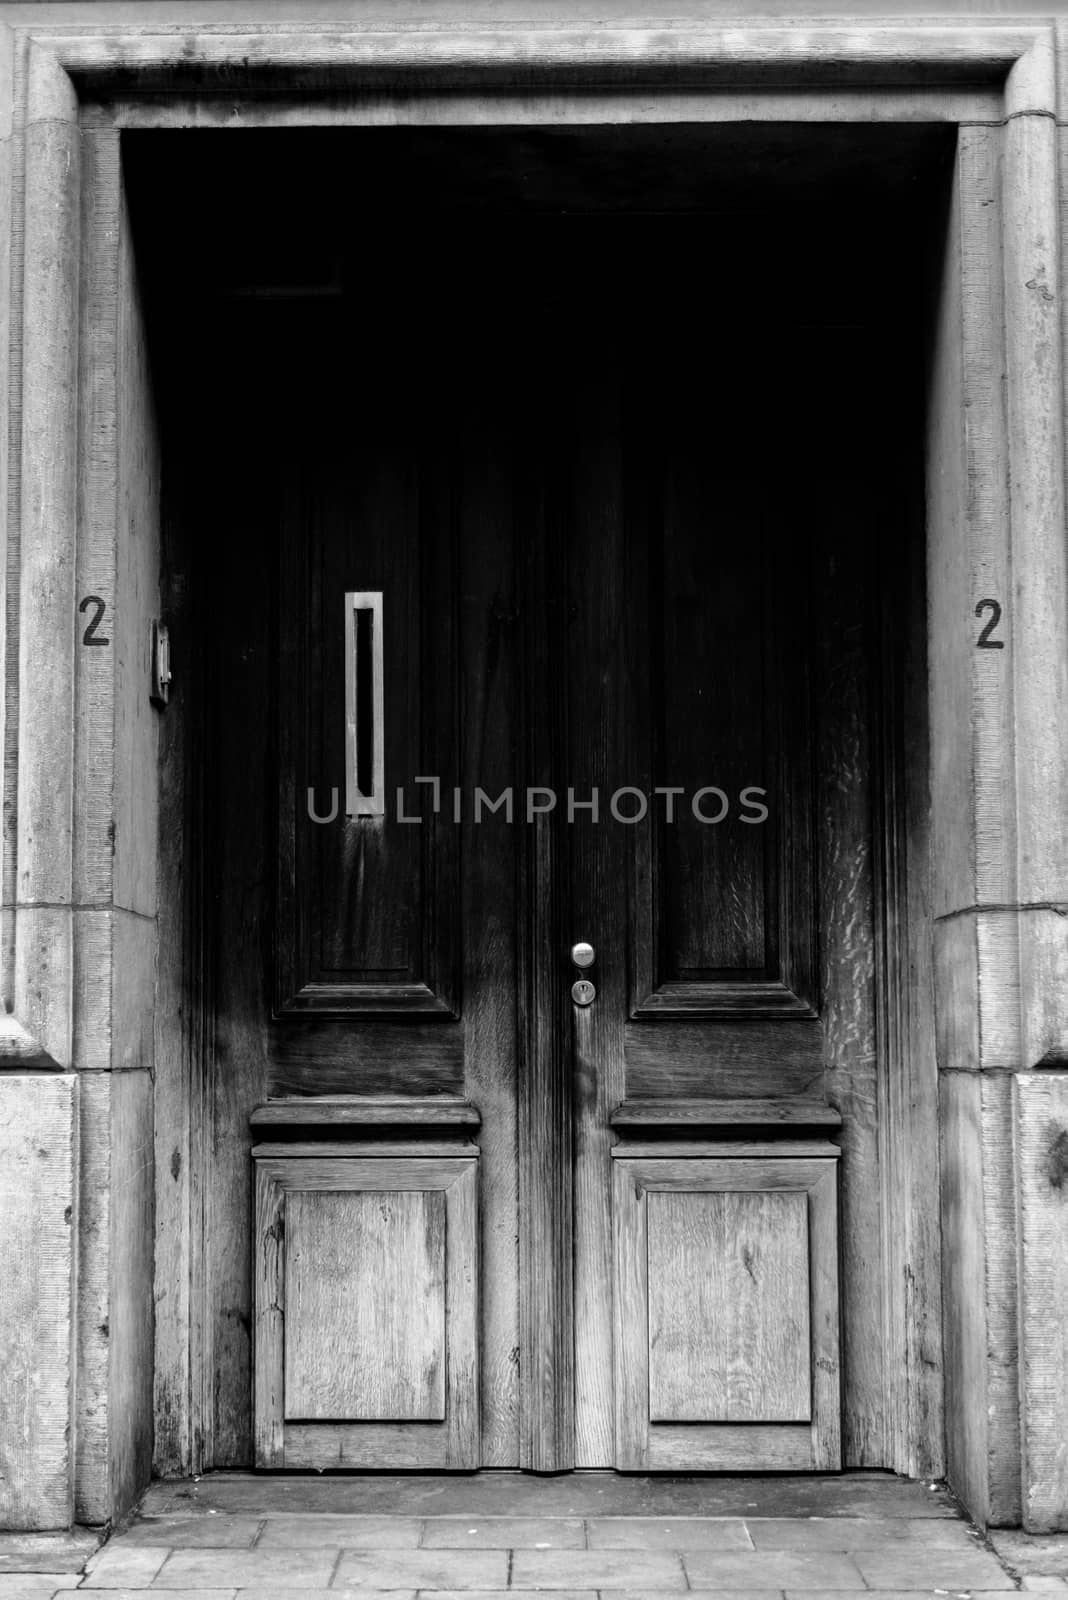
<point>311,1532</point>
<point>855,1533</point>
<point>362,1592</point>
<point>248,1569</point>
<point>346,1593</point>
<point>124,1566</point>
<point>910,1594</point>
<point>667,1533</point>
<point>210,1529</point>
<point>771,1569</point>
<point>504,1533</point>
<point>1044,1553</point>
<point>597,1569</point>
<point>513,1594</point>
<point>14,1586</point>
<point>698,1594</point>
<point>47,1552</point>
<point>424,1569</point>
<point>933,1569</point>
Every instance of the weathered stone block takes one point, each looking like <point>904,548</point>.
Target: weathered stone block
<point>38,1199</point>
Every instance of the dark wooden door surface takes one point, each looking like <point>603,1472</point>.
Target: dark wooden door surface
<point>604,502</point>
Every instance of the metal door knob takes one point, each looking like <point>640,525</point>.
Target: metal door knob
<point>582,954</point>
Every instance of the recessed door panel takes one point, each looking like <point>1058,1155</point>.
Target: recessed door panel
<point>728,1307</point>
<point>726,1322</point>
<point>366,1303</point>
<point>369,1267</point>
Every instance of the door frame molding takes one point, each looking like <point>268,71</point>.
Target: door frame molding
<point>995,516</point>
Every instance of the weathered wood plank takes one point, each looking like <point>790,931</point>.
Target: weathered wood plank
<point>733,1060</point>
<point>130,1261</point>
<point>591,493</point>
<point>544,1084</point>
<point>728,1308</point>
<point>334,1059</point>
<point>846,686</point>
<point>483,498</point>
<point>700,1116</point>
<point>407,1446</point>
<point>365,1306</point>
<point>269,1267</point>
<point>642,1183</point>
<point>393,1111</point>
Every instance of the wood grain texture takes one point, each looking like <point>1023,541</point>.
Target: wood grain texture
<point>847,689</point>
<point>757,1059</point>
<point>545,1128</point>
<point>433,1205</point>
<point>324,1152</point>
<point>268,1368</point>
<point>367,920</point>
<point>1040,1125</point>
<point>365,1307</point>
<point>732,1148</point>
<point>728,1307</point>
<point>333,1059</point>
<point>366,1447</point>
<point>483,495</point>
<point>904,1009</point>
<point>38,1193</point>
<point>694,1117</point>
<point>358,1111</point>
<point>642,1442</point>
<point>593,490</point>
<point>130,1263</point>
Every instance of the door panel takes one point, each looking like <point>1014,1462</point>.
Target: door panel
<point>338,968</point>
<point>728,1307</point>
<point>366,1280</point>
<point>726,1333</point>
<point>368,917</point>
<point>374,1263</point>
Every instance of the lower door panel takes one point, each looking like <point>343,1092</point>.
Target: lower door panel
<point>726,1332</point>
<point>366,1304</point>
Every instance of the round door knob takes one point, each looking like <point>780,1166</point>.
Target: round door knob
<point>582,954</point>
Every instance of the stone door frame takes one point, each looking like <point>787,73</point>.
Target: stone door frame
<point>79,971</point>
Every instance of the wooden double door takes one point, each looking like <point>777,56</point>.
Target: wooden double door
<point>542,613</point>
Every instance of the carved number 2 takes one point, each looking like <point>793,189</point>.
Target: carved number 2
<point>984,641</point>
<point>90,636</point>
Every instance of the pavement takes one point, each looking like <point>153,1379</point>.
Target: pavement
<point>586,1536</point>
